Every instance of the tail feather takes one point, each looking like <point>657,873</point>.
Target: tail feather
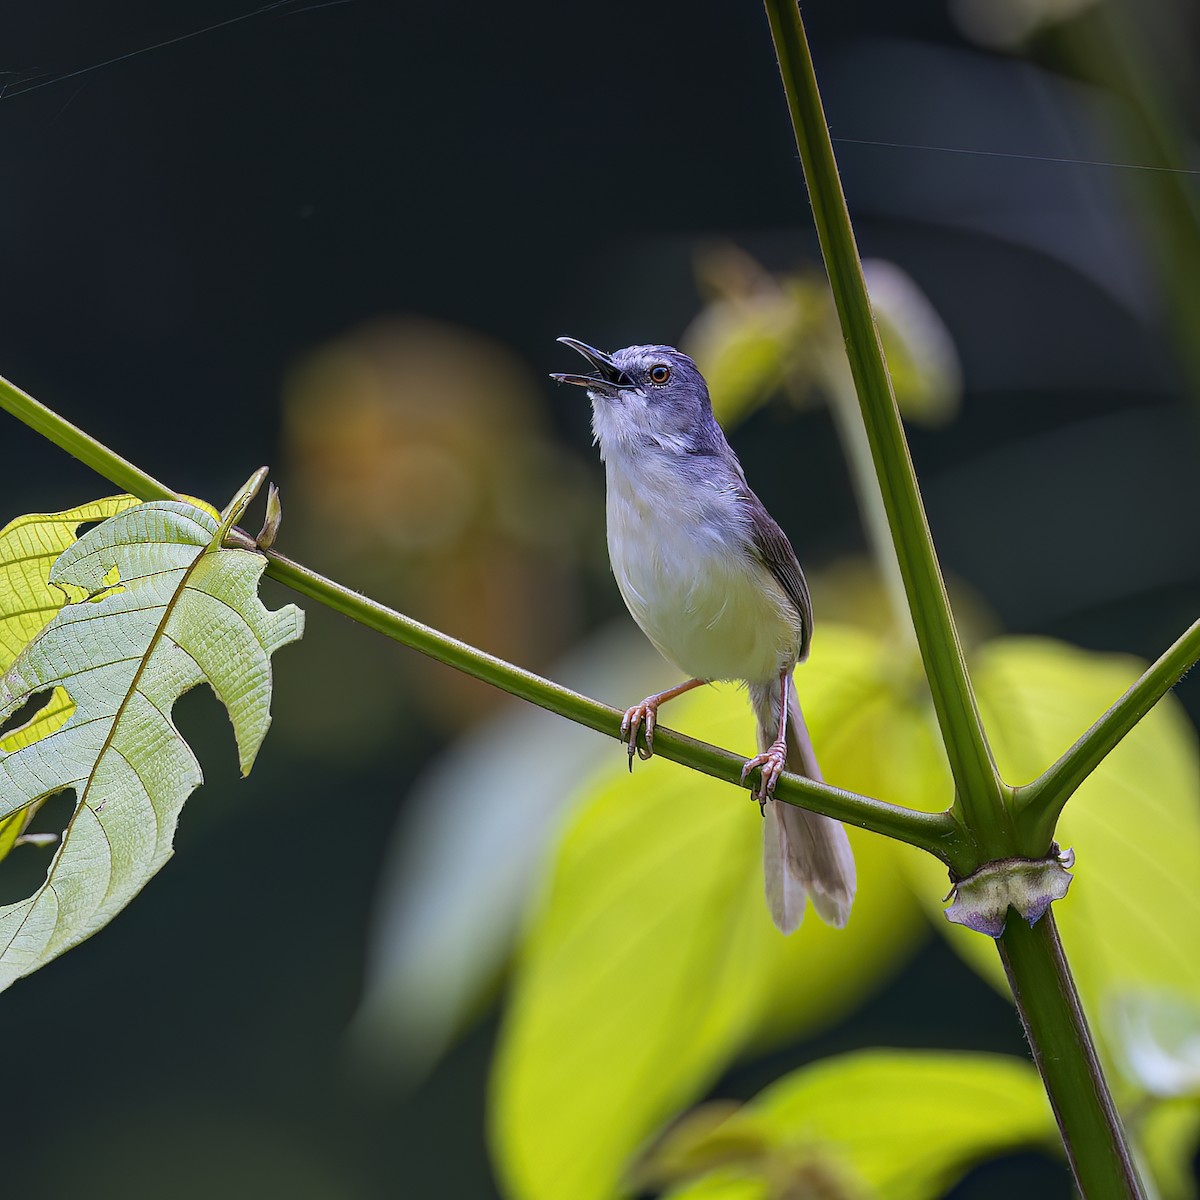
<point>804,854</point>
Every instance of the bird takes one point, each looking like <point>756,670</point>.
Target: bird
<point>715,585</point>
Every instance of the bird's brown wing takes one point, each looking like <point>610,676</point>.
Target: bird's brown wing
<point>777,555</point>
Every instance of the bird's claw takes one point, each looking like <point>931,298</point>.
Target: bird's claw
<point>640,717</point>
<point>772,761</point>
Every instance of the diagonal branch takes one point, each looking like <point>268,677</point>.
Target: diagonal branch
<point>1039,803</point>
<point>82,446</point>
<point>937,833</point>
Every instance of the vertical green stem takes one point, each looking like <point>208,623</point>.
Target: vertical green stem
<point>1066,1058</point>
<point>980,791</point>
<point>1033,957</point>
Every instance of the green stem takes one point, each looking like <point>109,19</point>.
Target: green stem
<point>980,791</point>
<point>81,445</point>
<point>1039,803</point>
<point>937,833</point>
<point>1066,1058</point>
<point>1033,957</point>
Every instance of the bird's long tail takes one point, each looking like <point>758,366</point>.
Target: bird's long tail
<point>804,854</point>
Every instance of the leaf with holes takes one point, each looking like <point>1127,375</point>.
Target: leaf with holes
<point>180,610</point>
<point>28,547</point>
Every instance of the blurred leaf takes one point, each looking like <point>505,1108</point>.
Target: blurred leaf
<point>444,491</point>
<point>922,361</point>
<point>1156,1038</point>
<point>756,333</point>
<point>1166,1135</point>
<point>651,960</point>
<point>761,335</point>
<point>899,1125</point>
<point>1008,24</point>
<point>647,970</point>
<point>28,547</point>
<point>459,874</point>
<point>744,348</point>
<point>184,611</point>
<point>1134,824</point>
<point>638,979</point>
<point>716,1134</point>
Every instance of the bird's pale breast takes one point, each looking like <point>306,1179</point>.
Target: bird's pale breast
<point>689,578</point>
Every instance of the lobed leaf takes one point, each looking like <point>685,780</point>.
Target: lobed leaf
<point>183,610</point>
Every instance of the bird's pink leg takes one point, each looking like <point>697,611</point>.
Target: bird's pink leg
<point>774,758</point>
<point>645,715</point>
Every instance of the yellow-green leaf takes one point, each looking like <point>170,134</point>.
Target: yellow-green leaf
<point>763,335</point>
<point>891,1124</point>
<point>28,547</point>
<point>651,960</point>
<point>183,611</point>
<point>1165,1135</point>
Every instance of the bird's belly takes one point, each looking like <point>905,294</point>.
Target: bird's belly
<point>707,605</point>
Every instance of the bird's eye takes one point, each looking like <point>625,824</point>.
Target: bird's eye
<point>660,374</point>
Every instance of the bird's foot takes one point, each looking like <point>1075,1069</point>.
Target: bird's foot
<point>772,761</point>
<point>640,717</point>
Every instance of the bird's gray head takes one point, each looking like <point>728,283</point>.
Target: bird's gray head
<point>650,397</point>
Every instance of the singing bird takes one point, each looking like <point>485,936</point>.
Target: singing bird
<point>715,585</point>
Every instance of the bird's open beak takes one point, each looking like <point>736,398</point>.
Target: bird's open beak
<point>608,376</point>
